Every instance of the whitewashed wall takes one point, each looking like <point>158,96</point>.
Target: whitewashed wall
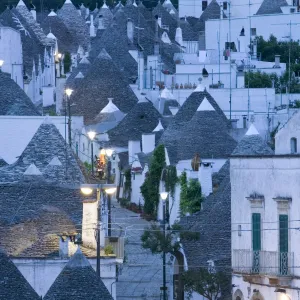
<point>11,53</point>
<point>264,25</point>
<point>270,177</point>
<point>283,137</point>
<point>22,129</point>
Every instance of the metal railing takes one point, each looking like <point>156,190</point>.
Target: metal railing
<point>117,244</point>
<point>263,262</point>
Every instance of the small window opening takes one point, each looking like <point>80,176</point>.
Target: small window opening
<point>293,145</point>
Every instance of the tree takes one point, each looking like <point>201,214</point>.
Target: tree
<point>150,187</point>
<point>190,195</point>
<point>204,282</point>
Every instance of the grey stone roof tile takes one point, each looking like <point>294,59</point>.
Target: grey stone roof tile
<point>65,40</point>
<point>213,223</point>
<point>47,211</point>
<point>166,19</point>
<point>120,55</point>
<point>191,131</point>
<point>253,145</point>
<point>271,7</point>
<point>106,14</point>
<point>143,118</point>
<point>211,12</point>
<point>78,281</point>
<point>73,81</point>
<point>75,23</point>
<point>46,144</point>
<point>14,101</point>
<point>188,33</point>
<point>13,285</point>
<point>102,81</point>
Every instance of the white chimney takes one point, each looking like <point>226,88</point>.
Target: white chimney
<point>66,247</point>
<point>130,30</point>
<point>92,27</point>
<point>277,61</point>
<point>89,222</point>
<point>159,21</point>
<point>33,12</point>
<point>100,24</point>
<point>205,177</point>
<point>148,142</point>
<point>134,147</point>
<point>221,11</point>
<point>242,40</point>
<point>178,36</point>
<point>141,63</point>
<point>240,80</point>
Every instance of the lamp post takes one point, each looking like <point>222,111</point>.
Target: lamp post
<point>87,189</point>
<point>91,135</point>
<point>1,64</point>
<point>69,93</point>
<point>164,196</point>
<point>109,153</point>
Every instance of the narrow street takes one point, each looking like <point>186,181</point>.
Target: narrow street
<point>141,274</point>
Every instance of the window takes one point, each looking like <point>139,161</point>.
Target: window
<point>293,145</point>
<point>225,5</point>
<point>256,242</point>
<point>283,243</point>
<point>238,298</point>
<point>292,10</point>
<point>239,230</point>
<point>83,147</point>
<point>253,31</point>
<point>204,5</point>
<point>256,232</point>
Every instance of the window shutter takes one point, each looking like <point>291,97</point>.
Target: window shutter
<point>283,233</point>
<point>256,232</point>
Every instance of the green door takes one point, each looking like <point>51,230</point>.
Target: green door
<point>283,244</point>
<point>256,241</point>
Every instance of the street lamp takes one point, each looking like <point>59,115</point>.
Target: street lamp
<point>87,190</point>
<point>109,153</point>
<point>68,93</point>
<point>92,135</point>
<point>164,196</point>
<point>1,64</point>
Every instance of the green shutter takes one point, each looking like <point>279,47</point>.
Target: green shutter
<point>283,233</point>
<point>256,232</point>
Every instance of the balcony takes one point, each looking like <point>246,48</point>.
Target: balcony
<point>117,244</point>
<point>269,263</point>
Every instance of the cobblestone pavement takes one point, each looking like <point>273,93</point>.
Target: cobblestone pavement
<point>141,274</point>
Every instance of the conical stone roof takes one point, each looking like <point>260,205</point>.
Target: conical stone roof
<point>252,144</point>
<point>13,285</point>
<point>75,23</point>
<point>102,81</point>
<point>78,281</point>
<point>271,7</point>
<point>46,144</point>
<point>143,118</point>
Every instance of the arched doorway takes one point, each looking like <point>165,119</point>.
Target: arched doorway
<point>238,295</point>
<point>178,287</point>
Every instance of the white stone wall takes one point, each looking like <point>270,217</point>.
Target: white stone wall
<point>11,53</point>
<point>41,273</point>
<point>264,25</point>
<point>22,129</point>
<point>283,137</point>
<point>270,177</point>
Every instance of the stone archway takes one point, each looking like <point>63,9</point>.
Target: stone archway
<point>178,287</point>
<point>238,295</point>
